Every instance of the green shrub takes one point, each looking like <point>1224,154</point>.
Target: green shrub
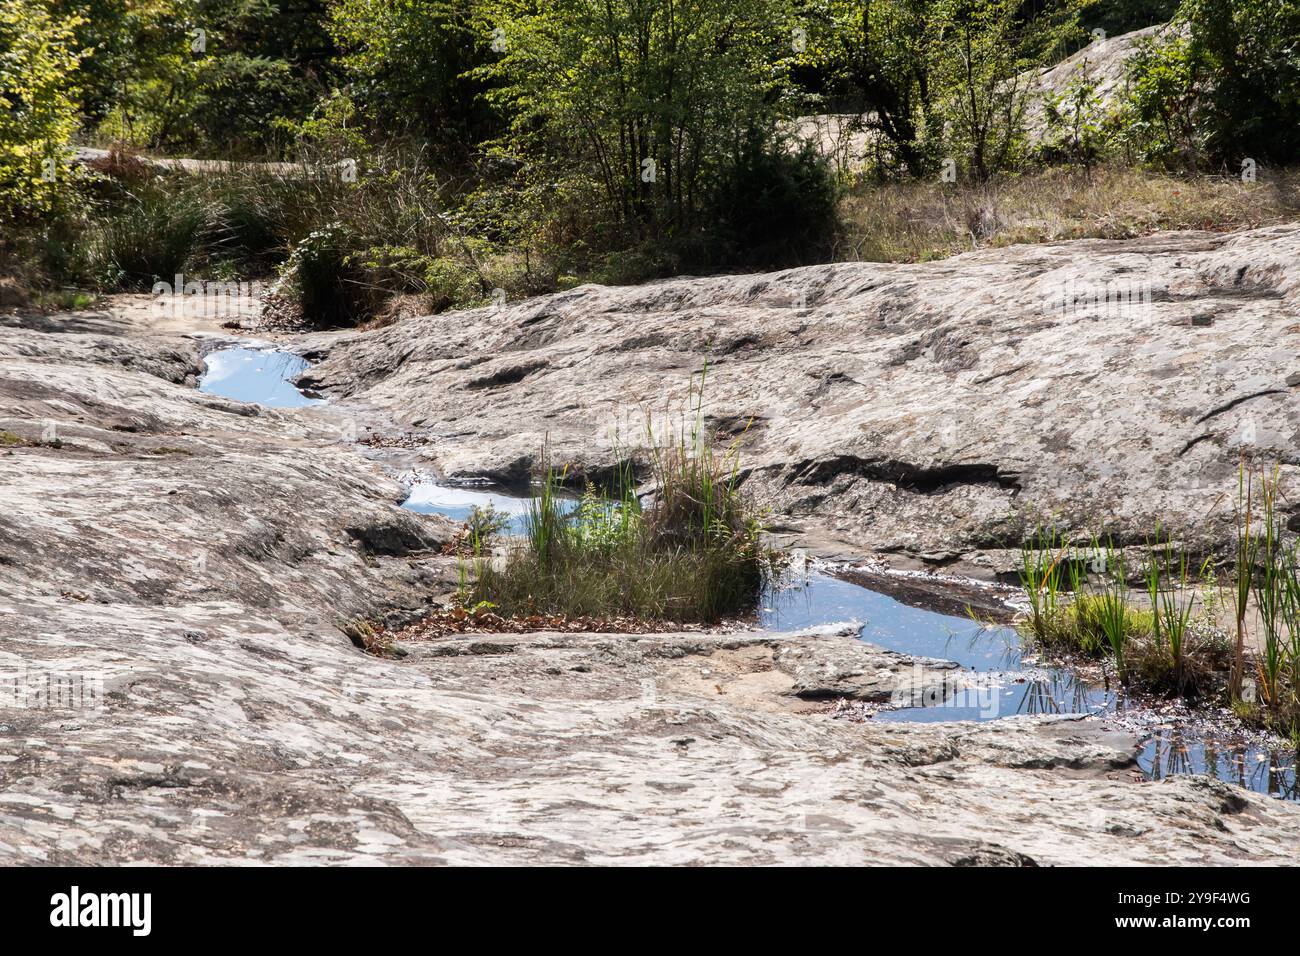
<point>692,554</point>
<point>1077,129</point>
<point>233,91</point>
<point>1160,112</point>
<point>775,207</point>
<point>645,102</point>
<point>153,237</point>
<point>410,67</point>
<point>1224,90</point>
<point>450,284</point>
<point>328,287</point>
<point>1249,54</point>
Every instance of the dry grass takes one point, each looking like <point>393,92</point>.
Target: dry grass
<point>920,221</point>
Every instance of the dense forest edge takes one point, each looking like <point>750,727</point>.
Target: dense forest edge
<point>372,159</point>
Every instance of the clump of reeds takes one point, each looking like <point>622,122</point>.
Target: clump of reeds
<point>1042,577</point>
<point>1097,616</point>
<point>689,551</point>
<point>1269,572</point>
<point>1080,601</point>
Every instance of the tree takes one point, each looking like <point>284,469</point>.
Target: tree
<point>653,100</point>
<point>983,72</point>
<point>38,114</point>
<point>1250,50</point>
<point>409,64</point>
<point>1224,87</point>
<point>1159,113</point>
<point>879,51</point>
<point>941,77</point>
<point>216,77</point>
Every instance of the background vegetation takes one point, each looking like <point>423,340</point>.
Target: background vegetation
<point>438,152</point>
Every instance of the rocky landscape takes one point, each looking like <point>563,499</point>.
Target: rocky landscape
<point>195,565</point>
<point>932,412</point>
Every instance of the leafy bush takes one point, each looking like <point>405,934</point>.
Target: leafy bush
<point>1250,52</point>
<point>646,101</point>
<point>1077,128</point>
<point>450,284</point>
<point>776,207</point>
<point>1160,122</point>
<point>329,289</point>
<point>1224,89</point>
<point>155,81</point>
<point>410,68</point>
<point>940,79</point>
<point>38,114</point>
<point>1122,16</point>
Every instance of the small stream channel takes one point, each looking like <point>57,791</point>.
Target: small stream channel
<point>997,679</point>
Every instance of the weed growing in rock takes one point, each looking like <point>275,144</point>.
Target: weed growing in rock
<point>483,526</point>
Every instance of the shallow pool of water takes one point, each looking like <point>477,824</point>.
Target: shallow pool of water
<point>995,680</point>
<point>260,375</point>
<point>1172,751</point>
<point>457,501</point>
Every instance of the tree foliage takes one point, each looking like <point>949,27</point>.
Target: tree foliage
<point>654,98</point>
<point>408,66</point>
<point>38,113</point>
<point>1222,88</point>
<point>940,79</point>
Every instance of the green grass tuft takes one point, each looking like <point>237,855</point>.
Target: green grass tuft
<point>691,554</point>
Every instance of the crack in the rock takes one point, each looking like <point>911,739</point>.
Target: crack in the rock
<point>906,475</point>
<point>511,375</point>
<point>1193,443</point>
<point>1228,406</point>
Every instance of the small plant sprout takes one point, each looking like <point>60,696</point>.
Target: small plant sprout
<point>483,526</point>
<point>1172,603</point>
<point>1113,615</point>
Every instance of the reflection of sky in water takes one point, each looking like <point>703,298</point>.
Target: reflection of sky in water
<point>262,376</point>
<point>1006,690</point>
<point>456,503</point>
<point>823,599</point>
<point>1173,751</point>
<point>887,622</point>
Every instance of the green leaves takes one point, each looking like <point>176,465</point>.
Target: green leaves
<point>38,115</point>
<point>1223,88</point>
<point>410,65</point>
<point>647,98</point>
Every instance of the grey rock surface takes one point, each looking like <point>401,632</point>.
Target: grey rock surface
<point>935,412</point>
<point>177,572</point>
